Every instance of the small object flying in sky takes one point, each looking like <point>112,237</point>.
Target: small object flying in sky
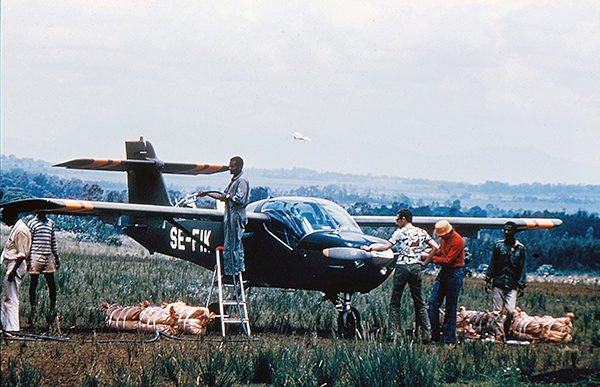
<point>299,136</point>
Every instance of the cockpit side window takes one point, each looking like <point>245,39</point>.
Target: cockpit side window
<point>288,228</point>
<point>298,217</point>
<point>339,218</point>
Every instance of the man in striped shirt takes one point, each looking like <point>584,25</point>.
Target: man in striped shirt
<point>43,247</point>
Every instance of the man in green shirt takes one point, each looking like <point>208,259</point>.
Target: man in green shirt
<point>506,277</point>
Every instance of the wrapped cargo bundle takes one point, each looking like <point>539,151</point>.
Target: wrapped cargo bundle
<point>542,328</point>
<point>526,327</point>
<point>159,319</point>
<point>168,318</point>
<point>192,319</point>
<point>123,317</point>
<point>478,325</point>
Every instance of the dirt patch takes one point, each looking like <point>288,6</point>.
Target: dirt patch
<point>66,363</point>
<point>568,376</point>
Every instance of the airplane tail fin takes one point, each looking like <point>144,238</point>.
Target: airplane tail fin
<point>144,171</point>
<point>145,183</point>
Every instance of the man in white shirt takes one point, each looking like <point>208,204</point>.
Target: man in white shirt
<point>14,256</point>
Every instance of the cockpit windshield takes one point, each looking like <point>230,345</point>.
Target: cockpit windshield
<point>306,215</point>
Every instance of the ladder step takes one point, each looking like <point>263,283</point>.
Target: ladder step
<point>233,320</point>
<point>233,302</point>
<point>226,285</point>
<point>237,297</point>
<point>228,316</point>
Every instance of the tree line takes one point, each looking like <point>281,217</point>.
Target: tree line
<point>575,246</point>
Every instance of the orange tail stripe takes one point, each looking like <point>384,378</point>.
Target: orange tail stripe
<point>205,167</point>
<point>103,163</point>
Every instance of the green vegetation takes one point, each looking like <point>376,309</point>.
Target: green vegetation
<point>573,247</point>
<point>297,344</point>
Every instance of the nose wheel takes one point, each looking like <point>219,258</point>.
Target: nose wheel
<point>348,318</point>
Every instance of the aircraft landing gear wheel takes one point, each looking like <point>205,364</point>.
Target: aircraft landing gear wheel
<point>349,324</point>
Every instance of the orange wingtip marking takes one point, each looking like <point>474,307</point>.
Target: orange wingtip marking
<point>538,223</point>
<point>78,205</point>
<point>545,223</point>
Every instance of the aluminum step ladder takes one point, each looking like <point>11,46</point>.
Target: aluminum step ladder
<point>233,307</point>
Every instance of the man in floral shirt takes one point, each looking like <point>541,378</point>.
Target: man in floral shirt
<point>413,245</point>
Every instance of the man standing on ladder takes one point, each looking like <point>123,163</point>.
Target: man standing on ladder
<point>235,197</point>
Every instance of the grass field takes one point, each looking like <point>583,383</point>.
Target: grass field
<point>296,343</point>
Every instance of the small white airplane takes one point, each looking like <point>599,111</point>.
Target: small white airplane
<point>299,136</point>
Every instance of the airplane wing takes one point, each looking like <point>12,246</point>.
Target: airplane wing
<point>109,210</point>
<point>125,165</point>
<point>467,227</point>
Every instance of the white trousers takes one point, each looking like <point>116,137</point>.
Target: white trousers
<point>504,299</point>
<point>9,314</point>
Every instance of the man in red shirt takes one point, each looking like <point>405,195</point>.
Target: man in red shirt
<point>450,256</point>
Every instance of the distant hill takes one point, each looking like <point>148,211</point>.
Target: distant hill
<point>377,189</point>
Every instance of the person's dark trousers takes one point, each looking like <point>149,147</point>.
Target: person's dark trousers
<point>447,285</point>
<point>410,274</point>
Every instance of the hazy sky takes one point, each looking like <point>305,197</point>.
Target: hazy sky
<point>461,91</point>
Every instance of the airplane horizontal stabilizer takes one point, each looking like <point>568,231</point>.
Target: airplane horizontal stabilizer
<point>194,169</point>
<point>125,165</point>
